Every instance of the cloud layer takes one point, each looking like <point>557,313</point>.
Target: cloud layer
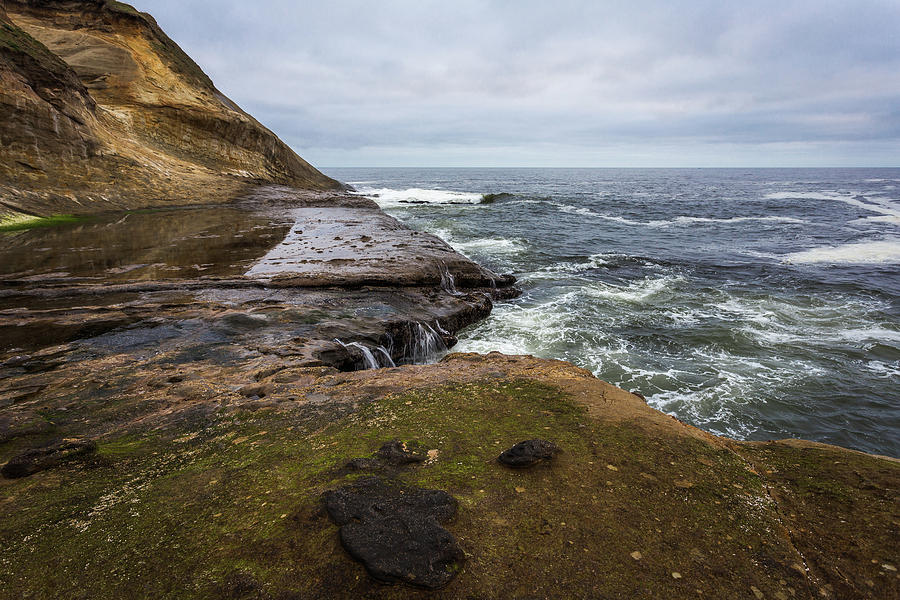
<point>564,83</point>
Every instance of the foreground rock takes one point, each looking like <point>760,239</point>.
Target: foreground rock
<point>528,453</point>
<point>201,489</point>
<point>395,531</point>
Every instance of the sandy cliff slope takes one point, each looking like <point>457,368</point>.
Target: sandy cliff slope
<point>100,110</point>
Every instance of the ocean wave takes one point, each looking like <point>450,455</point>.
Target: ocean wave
<point>884,370</point>
<point>883,206</point>
<point>392,198</point>
<point>871,252</point>
<point>635,292</point>
<point>568,268</point>
<point>675,222</point>
<point>481,245</point>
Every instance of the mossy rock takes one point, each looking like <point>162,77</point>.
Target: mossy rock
<point>633,507</point>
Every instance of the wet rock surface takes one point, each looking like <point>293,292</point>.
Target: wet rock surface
<point>528,453</point>
<point>183,281</point>
<point>40,459</point>
<point>395,531</point>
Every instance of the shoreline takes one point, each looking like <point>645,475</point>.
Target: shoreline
<point>185,409</point>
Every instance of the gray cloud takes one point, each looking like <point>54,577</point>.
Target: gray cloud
<point>504,82</point>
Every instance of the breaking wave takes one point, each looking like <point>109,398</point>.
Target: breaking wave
<point>872,252</point>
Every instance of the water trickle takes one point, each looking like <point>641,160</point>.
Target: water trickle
<point>388,361</point>
<point>424,343</point>
<point>447,282</point>
<point>369,359</point>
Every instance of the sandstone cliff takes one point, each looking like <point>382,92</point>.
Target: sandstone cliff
<point>100,110</point>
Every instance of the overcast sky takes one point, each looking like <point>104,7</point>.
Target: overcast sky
<point>558,83</point>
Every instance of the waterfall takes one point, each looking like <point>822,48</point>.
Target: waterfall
<point>388,361</point>
<point>368,358</point>
<point>447,282</point>
<point>424,343</point>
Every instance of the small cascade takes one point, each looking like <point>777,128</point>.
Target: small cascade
<point>447,282</point>
<point>388,361</point>
<point>437,325</point>
<point>369,359</point>
<point>423,344</point>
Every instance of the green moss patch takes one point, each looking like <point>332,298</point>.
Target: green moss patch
<point>20,222</point>
<point>230,507</point>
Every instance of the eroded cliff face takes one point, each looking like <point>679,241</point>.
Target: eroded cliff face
<point>100,110</point>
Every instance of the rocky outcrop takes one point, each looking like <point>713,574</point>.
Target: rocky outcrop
<point>181,390</point>
<point>197,487</point>
<point>100,110</point>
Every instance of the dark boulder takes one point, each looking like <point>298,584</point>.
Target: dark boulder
<point>400,453</point>
<point>395,531</point>
<point>528,453</point>
<point>389,457</point>
<point>41,459</point>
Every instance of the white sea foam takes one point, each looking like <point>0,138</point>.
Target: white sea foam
<point>681,220</point>
<point>871,252</point>
<point>553,271</point>
<point>490,246</point>
<point>883,206</point>
<point>885,370</point>
<point>391,198</point>
<point>635,292</point>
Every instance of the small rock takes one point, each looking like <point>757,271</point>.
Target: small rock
<point>399,453</point>
<point>254,390</point>
<point>363,464</point>
<point>637,555</point>
<point>41,459</point>
<point>395,531</point>
<point>528,453</point>
<point>16,361</point>
<point>390,455</point>
<point>612,467</point>
<point>888,567</point>
<point>676,575</point>
<point>757,592</point>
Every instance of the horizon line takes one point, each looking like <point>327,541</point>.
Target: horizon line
<point>585,168</point>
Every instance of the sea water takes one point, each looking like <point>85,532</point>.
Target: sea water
<point>753,303</point>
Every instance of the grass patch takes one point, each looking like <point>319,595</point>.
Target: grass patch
<point>21,222</point>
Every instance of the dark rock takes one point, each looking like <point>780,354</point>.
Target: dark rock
<point>400,453</point>
<point>528,453</point>
<point>16,361</point>
<point>41,459</point>
<point>364,464</point>
<point>389,457</point>
<point>395,531</point>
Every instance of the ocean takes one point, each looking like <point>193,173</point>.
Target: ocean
<point>753,303</point>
